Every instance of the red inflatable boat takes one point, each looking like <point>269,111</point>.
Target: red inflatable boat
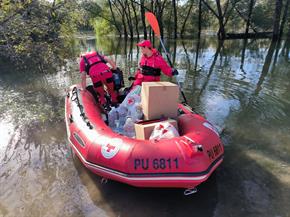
<point>181,162</point>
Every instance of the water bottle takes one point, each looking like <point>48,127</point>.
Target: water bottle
<point>136,112</point>
<point>112,117</point>
<point>117,79</point>
<point>122,111</point>
<point>129,128</point>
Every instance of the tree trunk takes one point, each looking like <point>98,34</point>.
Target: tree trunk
<point>245,19</point>
<point>220,16</point>
<point>175,19</point>
<point>159,13</point>
<point>288,34</point>
<point>195,64</point>
<point>199,19</point>
<point>125,28</point>
<point>287,45</point>
<point>136,20</point>
<point>221,32</point>
<point>174,53</point>
<point>251,5</point>
<point>211,69</point>
<point>129,19</point>
<point>121,12</point>
<point>114,19</point>
<point>150,29</point>
<point>245,42</point>
<point>186,18</point>
<point>169,23</point>
<point>159,18</point>
<point>142,10</point>
<point>284,19</point>
<point>210,8</point>
<point>277,49</point>
<point>197,54</point>
<point>277,16</point>
<point>266,67</point>
<point>226,18</point>
<point>127,15</point>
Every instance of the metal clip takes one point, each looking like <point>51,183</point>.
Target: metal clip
<point>104,180</point>
<point>190,191</point>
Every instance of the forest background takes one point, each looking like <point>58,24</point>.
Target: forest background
<point>40,30</point>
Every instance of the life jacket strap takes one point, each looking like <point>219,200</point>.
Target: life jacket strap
<point>150,71</point>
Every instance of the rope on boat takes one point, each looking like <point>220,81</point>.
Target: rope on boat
<point>75,98</point>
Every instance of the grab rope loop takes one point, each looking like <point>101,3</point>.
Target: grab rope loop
<point>104,180</point>
<point>190,191</point>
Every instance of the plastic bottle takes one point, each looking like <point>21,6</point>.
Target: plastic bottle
<point>117,80</point>
<point>129,129</point>
<point>122,111</point>
<point>112,117</point>
<point>136,112</point>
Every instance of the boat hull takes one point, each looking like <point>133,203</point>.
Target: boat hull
<point>182,162</point>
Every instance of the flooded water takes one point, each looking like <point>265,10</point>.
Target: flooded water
<point>240,86</point>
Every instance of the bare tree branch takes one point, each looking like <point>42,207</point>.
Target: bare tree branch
<point>210,8</point>
<point>245,19</point>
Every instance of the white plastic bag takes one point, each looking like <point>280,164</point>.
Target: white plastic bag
<point>131,100</point>
<point>132,97</point>
<point>163,131</point>
<point>136,90</point>
<point>132,104</point>
<point>122,119</point>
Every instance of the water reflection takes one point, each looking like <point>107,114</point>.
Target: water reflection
<point>241,86</point>
<point>122,200</point>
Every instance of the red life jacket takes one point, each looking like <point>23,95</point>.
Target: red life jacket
<point>92,59</point>
<point>153,65</point>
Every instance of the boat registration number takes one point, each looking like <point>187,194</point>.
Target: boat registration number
<point>214,151</point>
<point>156,163</point>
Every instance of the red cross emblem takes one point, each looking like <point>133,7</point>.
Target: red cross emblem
<point>110,147</point>
<point>164,131</point>
<point>130,101</point>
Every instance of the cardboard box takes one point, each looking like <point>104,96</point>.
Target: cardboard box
<point>159,100</point>
<point>144,129</point>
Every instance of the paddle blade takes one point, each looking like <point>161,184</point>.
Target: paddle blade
<point>153,23</point>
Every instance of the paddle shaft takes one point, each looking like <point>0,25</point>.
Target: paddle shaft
<point>171,65</point>
<point>169,60</point>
